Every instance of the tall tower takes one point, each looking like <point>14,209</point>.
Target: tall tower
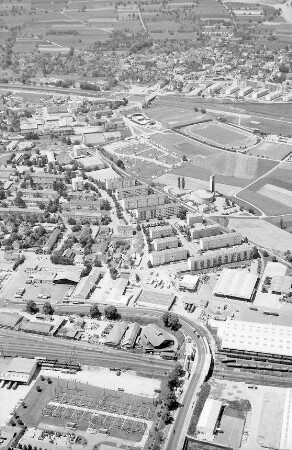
<point>212,183</point>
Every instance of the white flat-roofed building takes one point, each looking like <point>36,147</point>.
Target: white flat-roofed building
<point>256,337</point>
<point>143,200</point>
<point>239,284</point>
<point>132,191</point>
<point>214,258</point>
<point>77,184</point>
<point>194,218</point>
<point>92,162</point>
<point>245,91</point>
<point>287,97</point>
<point>273,95</point>
<point>209,418</point>
<point>159,232</point>
<point>222,240</point>
<point>232,89</point>
<point>168,256</point>
<point>201,231</point>
<point>152,212</point>
<point>20,370</point>
<point>189,282</point>
<point>166,242</point>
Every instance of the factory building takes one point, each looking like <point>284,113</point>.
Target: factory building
<point>152,212</point>
<point>256,337</point>
<point>160,232</point>
<point>131,335</point>
<point>222,240</point>
<point>216,258</point>
<point>209,418</point>
<point>238,284</point>
<point>168,256</point>
<point>116,334</point>
<point>166,242</point>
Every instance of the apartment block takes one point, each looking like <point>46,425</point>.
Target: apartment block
<point>168,256</point>
<point>132,191</point>
<point>166,242</point>
<point>142,201</point>
<point>222,240</point>
<point>160,232</point>
<point>215,258</point>
<point>205,231</point>
<point>120,183</point>
<point>77,184</point>
<point>194,218</point>
<point>151,212</point>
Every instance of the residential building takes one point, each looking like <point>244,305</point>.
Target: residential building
<point>202,231</point>
<point>143,200</point>
<point>152,212</point>
<point>168,256</point>
<point>222,240</point>
<point>132,191</point>
<point>119,183</point>
<point>46,180</point>
<point>77,184</point>
<point>125,230</point>
<point>160,232</point>
<point>52,240</point>
<point>166,242</point>
<point>214,258</point>
<point>194,218</point>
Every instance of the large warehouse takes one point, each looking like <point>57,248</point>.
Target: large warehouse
<point>256,337</point>
<point>209,418</point>
<point>238,284</point>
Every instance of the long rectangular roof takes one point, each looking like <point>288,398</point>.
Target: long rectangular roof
<point>116,334</point>
<point>209,415</point>
<point>256,337</point>
<point>235,283</point>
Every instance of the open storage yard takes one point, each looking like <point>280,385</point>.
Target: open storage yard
<point>57,402</point>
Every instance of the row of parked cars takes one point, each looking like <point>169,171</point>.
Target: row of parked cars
<point>9,384</point>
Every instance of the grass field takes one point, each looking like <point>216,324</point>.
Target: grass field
<point>222,135</point>
<point>273,193</point>
<point>272,150</point>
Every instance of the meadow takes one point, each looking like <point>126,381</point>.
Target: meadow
<point>271,150</point>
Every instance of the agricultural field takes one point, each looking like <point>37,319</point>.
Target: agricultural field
<point>271,150</point>
<point>220,135</point>
<point>273,193</point>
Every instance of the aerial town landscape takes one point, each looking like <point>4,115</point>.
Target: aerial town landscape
<point>145,225</point>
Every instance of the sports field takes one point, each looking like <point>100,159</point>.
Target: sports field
<point>272,150</point>
<point>222,135</point>
<point>176,115</point>
<point>273,193</point>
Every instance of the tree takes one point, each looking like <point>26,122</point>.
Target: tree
<point>171,320</point>
<point>183,183</point>
<point>111,312</point>
<point>120,164</point>
<point>31,307</point>
<point>94,312</point>
<point>48,309</point>
<point>19,202</point>
<point>86,271</point>
<point>149,264</point>
<point>178,182</point>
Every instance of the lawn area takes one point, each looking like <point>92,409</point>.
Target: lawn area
<point>272,150</point>
<point>222,135</point>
